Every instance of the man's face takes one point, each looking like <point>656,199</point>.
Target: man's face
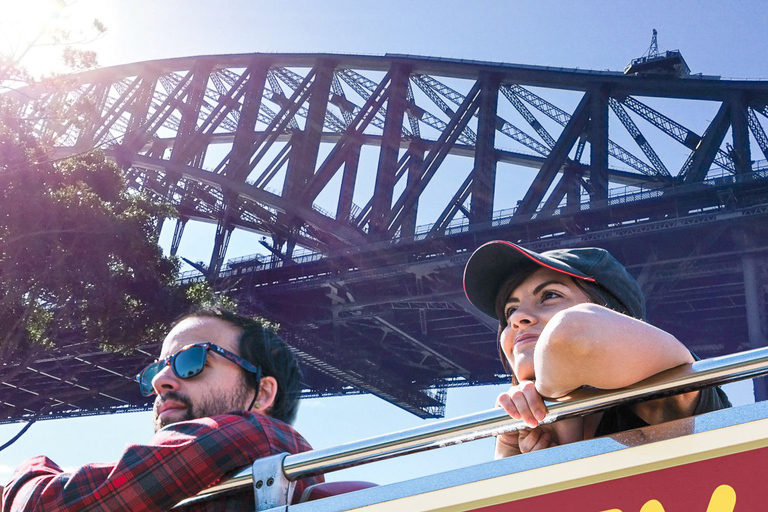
<point>220,388</point>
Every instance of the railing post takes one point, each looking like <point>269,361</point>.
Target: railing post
<point>270,486</point>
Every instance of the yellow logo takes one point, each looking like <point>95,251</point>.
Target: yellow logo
<point>722,500</point>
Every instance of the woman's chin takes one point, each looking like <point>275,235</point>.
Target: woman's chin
<point>524,371</point>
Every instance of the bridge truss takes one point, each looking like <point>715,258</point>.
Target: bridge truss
<point>366,182</point>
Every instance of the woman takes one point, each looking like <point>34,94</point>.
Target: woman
<point>570,318</point>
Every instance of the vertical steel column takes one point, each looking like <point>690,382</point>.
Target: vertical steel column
<point>306,144</point>
<point>224,230</point>
<point>755,307</point>
<point>178,231</point>
<point>190,116</point>
<point>390,148</point>
<point>237,166</point>
<point>598,142</point>
<point>484,179</point>
<point>348,180</point>
<point>573,194</point>
<point>415,170</point>
<point>98,94</point>
<point>556,159</point>
<point>135,134</point>
<point>223,234</point>
<point>702,157</point>
<point>740,154</point>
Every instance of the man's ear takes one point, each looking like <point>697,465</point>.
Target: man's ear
<point>267,394</point>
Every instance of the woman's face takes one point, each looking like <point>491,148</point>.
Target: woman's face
<point>528,309</point>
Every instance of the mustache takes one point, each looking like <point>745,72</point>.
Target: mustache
<point>176,397</point>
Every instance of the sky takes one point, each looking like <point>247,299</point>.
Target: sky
<point>716,38</point>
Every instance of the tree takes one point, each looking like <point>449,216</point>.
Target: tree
<point>79,254</point>
<point>79,258</point>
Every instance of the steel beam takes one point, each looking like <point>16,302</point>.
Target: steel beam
<point>598,144</point>
<point>344,210</point>
<point>641,141</point>
<point>455,205</point>
<point>700,161</point>
<point>135,135</point>
<point>306,143</point>
<point>556,159</point>
<point>484,172</point>
<point>390,150</point>
<point>178,232</point>
<point>336,157</point>
<point>740,153</point>
<point>415,170</point>
<point>312,217</point>
<point>568,187</point>
<point>237,160</point>
<point>758,132</point>
<point>183,151</point>
<point>435,158</point>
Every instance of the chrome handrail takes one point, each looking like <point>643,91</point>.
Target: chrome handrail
<point>688,377</point>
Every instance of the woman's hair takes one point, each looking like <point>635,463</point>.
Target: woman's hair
<point>594,292</point>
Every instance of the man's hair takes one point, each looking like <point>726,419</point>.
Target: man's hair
<point>260,344</point>
<point>594,291</point>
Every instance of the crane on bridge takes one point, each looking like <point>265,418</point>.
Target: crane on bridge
<point>669,63</point>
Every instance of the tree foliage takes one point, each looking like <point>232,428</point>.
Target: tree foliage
<point>79,258</point>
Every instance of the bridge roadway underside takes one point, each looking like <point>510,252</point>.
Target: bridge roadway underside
<point>392,320</point>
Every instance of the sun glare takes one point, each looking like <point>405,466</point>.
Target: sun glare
<point>35,32</point>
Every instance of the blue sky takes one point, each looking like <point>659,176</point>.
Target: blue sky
<point>716,38</point>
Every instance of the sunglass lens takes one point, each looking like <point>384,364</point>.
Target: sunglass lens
<point>189,362</point>
<point>146,376</point>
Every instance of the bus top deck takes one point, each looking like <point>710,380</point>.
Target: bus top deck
<point>703,463</point>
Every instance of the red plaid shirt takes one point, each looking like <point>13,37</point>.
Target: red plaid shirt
<point>180,460</point>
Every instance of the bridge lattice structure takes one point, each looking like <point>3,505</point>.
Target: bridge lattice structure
<point>365,182</point>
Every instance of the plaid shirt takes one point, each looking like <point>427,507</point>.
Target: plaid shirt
<point>180,460</point>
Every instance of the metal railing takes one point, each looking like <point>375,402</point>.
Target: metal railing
<point>689,377</point>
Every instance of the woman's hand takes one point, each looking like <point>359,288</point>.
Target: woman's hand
<point>522,401</point>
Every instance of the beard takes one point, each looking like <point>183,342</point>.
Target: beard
<point>207,406</point>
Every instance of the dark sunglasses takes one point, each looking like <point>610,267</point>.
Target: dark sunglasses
<point>188,362</point>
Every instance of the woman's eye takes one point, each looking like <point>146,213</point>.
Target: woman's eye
<point>549,295</point>
<point>509,312</point>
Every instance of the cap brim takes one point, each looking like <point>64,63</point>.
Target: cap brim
<point>492,263</point>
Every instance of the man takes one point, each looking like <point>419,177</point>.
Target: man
<point>227,389</point>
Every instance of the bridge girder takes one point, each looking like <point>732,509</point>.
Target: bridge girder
<point>285,145</point>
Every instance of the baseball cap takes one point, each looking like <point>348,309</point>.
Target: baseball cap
<point>492,263</point>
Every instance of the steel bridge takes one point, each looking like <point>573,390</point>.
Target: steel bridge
<point>365,183</point>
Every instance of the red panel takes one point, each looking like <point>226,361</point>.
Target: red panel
<point>685,488</point>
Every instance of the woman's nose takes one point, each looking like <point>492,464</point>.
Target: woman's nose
<point>523,315</point>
